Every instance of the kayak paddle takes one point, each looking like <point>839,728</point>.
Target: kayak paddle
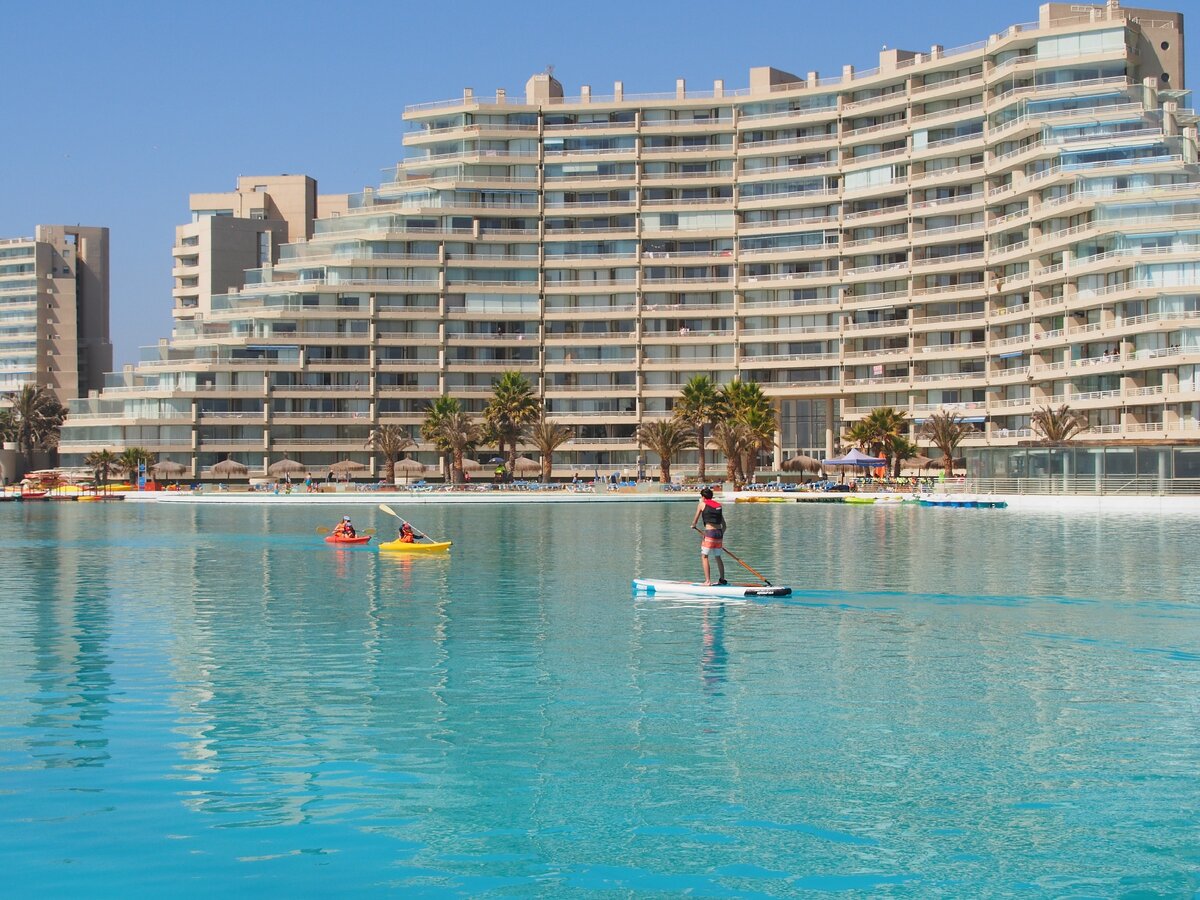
<point>321,529</point>
<point>391,512</point>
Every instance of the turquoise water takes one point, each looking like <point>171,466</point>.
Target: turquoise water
<point>210,701</point>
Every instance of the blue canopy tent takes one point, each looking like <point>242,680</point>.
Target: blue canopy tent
<point>855,458</point>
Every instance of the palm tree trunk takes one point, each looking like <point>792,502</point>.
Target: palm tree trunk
<point>700,472</point>
<point>664,472</point>
<point>547,463</point>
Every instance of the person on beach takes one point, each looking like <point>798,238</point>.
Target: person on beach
<point>345,528</point>
<point>406,535</point>
<point>709,511</point>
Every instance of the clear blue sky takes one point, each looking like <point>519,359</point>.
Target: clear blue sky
<point>116,111</point>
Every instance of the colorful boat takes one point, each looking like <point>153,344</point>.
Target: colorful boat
<point>414,547</point>
<point>964,503</point>
<point>851,498</point>
<point>692,590</point>
<point>338,539</point>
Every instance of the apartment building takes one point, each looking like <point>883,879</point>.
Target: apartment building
<point>54,310</point>
<point>986,229</point>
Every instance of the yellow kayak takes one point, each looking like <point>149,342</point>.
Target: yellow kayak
<point>414,547</point>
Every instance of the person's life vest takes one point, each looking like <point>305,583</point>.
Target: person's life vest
<point>712,514</point>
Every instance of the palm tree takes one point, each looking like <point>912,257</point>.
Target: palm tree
<point>750,423</point>
<point>732,439</point>
<point>36,418</point>
<point>391,441</point>
<point>510,412</point>
<point>1058,425</point>
<point>666,438</point>
<point>431,429</point>
<point>548,435</point>
<point>698,407</point>
<point>945,430</point>
<point>131,460</point>
<point>102,462</point>
<point>883,432</point>
<point>452,431</point>
<point>8,426</point>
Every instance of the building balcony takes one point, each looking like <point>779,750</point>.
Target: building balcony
<point>965,84</point>
<point>787,198</point>
<point>590,312</point>
<point>591,285</point>
<point>577,363</point>
<point>782,146</point>
<point>493,365</point>
<point>952,351</point>
<point>894,214</point>
<point>786,279</point>
<point>583,339</point>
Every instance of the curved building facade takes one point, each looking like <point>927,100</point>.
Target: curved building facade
<point>986,229</point>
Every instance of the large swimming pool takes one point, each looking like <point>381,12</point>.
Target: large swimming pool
<point>208,701</point>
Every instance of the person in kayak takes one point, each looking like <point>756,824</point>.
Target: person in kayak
<point>709,511</point>
<point>345,528</point>
<point>406,535</point>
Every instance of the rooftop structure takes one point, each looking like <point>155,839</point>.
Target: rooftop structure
<point>987,229</point>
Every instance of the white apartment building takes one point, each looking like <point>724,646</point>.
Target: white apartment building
<point>988,229</point>
<point>54,310</point>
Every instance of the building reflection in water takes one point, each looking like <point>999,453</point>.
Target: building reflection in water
<point>65,584</point>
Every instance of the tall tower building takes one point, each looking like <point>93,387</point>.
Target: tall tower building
<point>54,298</point>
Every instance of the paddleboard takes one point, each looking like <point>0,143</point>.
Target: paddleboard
<point>655,587</point>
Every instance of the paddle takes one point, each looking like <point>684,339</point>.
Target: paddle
<point>738,558</point>
<point>321,529</point>
<point>391,512</point>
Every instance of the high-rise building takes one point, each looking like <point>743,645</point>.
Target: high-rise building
<point>54,310</point>
<point>987,229</point>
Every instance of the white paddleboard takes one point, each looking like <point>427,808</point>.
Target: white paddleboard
<point>655,587</point>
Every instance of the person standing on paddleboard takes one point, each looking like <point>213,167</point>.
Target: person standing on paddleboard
<point>709,510</point>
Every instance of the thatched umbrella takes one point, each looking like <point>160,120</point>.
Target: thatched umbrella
<point>408,468</point>
<point>525,465</point>
<point>473,464</point>
<point>801,463</point>
<point>916,462</point>
<point>230,468</point>
<point>287,466</point>
<point>167,468</point>
<point>346,466</point>
<point>940,463</point>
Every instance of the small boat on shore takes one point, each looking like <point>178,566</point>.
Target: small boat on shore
<point>692,590</point>
<point>963,503</point>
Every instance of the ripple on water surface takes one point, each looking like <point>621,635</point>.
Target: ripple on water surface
<point>953,703</point>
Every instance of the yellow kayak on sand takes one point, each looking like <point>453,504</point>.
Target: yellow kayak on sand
<point>414,547</point>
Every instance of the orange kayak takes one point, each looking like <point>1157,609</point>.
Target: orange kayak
<point>337,539</point>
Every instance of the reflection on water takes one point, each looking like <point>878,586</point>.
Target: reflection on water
<point>960,702</point>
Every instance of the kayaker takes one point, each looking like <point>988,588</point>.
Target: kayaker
<point>345,528</point>
<point>406,535</point>
<point>709,511</point>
